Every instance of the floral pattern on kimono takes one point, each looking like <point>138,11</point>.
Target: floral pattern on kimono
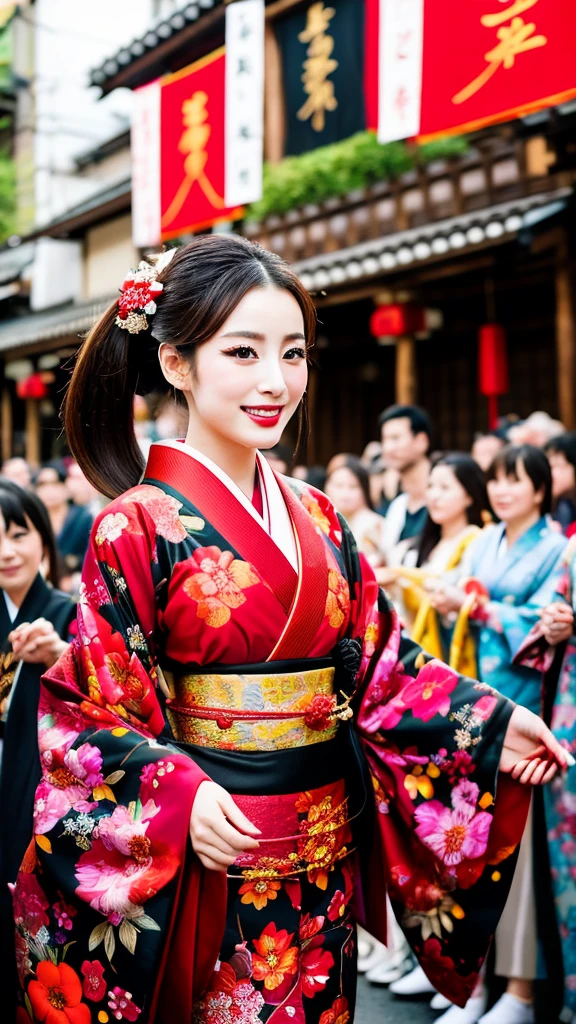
<point>114,914</point>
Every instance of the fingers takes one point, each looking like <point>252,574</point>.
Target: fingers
<point>235,815</point>
<point>553,747</point>
<point>235,839</point>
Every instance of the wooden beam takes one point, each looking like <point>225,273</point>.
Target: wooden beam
<point>565,336</point>
<point>32,441</point>
<point>274,107</point>
<point>6,420</point>
<point>280,7</point>
<point>406,383</point>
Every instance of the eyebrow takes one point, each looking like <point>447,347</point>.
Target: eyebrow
<point>253,336</point>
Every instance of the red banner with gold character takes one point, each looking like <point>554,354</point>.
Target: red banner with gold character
<point>453,67</point>
<point>192,171</point>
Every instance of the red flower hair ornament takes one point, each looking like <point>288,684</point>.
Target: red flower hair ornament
<point>139,292</point>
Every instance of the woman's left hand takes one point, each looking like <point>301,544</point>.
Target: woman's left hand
<point>37,643</point>
<point>530,753</point>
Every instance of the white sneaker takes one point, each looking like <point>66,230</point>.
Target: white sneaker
<point>414,984</point>
<point>509,1010</point>
<point>391,970</point>
<point>469,1014</point>
<point>440,1002</point>
<point>377,954</point>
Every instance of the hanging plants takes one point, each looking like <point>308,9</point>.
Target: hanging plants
<point>343,167</point>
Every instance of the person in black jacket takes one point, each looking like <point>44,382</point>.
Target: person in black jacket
<point>35,621</point>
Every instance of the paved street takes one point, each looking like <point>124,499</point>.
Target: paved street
<point>377,1006</point>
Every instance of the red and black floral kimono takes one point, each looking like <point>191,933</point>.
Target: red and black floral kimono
<point>245,642</point>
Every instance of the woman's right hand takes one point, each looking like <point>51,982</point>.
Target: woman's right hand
<point>448,599</point>
<point>218,827</point>
<point>557,623</point>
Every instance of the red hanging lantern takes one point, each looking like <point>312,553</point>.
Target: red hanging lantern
<point>397,320</point>
<point>32,387</point>
<point>492,368</point>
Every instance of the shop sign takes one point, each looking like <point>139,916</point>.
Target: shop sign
<point>446,67</point>
<point>198,134</point>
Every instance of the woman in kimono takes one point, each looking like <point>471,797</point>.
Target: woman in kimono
<point>348,487</point>
<point>511,569</point>
<point>556,633</point>
<point>457,505</point>
<point>35,622</point>
<point>205,831</point>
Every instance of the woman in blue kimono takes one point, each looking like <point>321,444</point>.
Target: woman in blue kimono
<point>512,569</point>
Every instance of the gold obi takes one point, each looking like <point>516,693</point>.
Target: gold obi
<point>272,711</point>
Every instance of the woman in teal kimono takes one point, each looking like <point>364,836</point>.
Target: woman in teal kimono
<point>512,569</point>
<point>552,647</point>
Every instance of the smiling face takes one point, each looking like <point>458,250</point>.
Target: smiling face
<point>247,381</point>
<point>514,497</point>
<point>344,489</point>
<point>21,553</point>
<point>446,498</point>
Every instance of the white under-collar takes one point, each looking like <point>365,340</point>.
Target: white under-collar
<point>276,520</point>
<point>11,608</point>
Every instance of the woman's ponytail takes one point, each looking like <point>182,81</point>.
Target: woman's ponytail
<point>98,408</point>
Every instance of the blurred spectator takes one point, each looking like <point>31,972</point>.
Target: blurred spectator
<point>313,475</point>
<point>349,488</point>
<point>71,523</point>
<point>538,429</point>
<point>561,452</point>
<point>18,470</point>
<point>406,432</point>
<point>372,451</point>
<point>81,490</point>
<point>338,460</point>
<point>457,505</point>
<point>511,571</point>
<point>485,449</point>
<point>279,458</point>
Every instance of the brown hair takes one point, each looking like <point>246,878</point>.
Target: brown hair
<point>203,284</point>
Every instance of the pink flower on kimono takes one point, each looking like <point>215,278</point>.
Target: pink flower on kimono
<point>163,509</point>
<point>30,903</point>
<point>67,785</point>
<point>484,707</point>
<point>111,527</point>
<point>59,724</point>
<point>106,881</point>
<point>429,693</point>
<point>121,1004</point>
<point>315,964</point>
<point>122,832</point>
<point>93,986</point>
<point>458,834</point>
<point>64,912</point>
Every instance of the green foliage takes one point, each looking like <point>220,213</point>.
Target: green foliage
<point>7,197</point>
<point>335,170</point>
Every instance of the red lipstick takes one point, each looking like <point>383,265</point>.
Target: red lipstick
<point>264,415</point>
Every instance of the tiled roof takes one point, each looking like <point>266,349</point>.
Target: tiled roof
<point>159,33</point>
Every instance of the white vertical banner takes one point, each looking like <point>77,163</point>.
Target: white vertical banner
<point>244,101</point>
<point>400,68</point>
<point>145,152</point>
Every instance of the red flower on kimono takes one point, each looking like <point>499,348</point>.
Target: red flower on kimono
<point>121,1004</point>
<point>337,1014</point>
<point>274,957</point>
<point>30,903</point>
<point>94,986</point>
<point>458,834</point>
<point>337,906</point>
<point>441,971</point>
<point>315,965</point>
<point>429,693</point>
<point>162,508</point>
<point>216,583</point>
<point>56,995</point>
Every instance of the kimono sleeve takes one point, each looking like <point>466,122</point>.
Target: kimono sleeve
<point>446,827</point>
<point>97,896</point>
